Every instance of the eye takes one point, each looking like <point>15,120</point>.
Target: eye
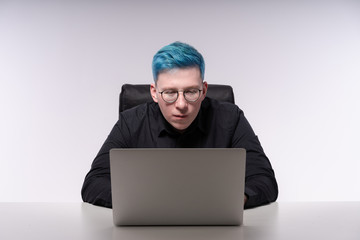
<point>191,91</point>
<point>170,92</point>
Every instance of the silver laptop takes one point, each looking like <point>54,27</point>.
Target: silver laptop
<point>177,186</point>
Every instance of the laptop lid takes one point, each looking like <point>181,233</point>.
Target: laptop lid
<point>177,186</point>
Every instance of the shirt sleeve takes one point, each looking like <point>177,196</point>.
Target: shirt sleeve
<point>260,183</point>
<point>97,185</point>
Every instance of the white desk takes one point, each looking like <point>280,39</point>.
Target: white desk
<point>290,221</point>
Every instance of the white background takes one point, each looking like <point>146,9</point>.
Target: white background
<point>294,67</point>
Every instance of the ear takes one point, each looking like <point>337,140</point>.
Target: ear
<point>205,87</point>
<point>153,92</point>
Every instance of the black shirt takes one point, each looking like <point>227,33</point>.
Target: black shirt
<point>218,125</point>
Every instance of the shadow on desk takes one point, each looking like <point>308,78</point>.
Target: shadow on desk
<point>100,221</point>
<point>174,233</point>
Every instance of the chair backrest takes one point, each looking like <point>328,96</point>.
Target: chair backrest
<point>135,94</point>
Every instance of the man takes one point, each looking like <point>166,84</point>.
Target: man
<point>181,116</point>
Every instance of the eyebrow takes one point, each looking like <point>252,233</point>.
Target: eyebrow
<point>175,89</point>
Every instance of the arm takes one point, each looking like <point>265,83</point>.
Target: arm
<point>97,186</point>
<point>260,183</point>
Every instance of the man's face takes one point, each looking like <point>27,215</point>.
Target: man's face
<point>181,113</point>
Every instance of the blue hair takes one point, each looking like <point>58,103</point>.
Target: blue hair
<point>177,55</point>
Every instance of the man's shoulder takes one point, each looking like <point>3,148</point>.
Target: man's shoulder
<point>220,115</point>
<point>213,105</point>
<point>140,112</point>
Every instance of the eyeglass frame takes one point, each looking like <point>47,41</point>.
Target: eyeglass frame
<point>183,91</point>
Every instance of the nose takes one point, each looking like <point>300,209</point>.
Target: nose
<point>181,103</point>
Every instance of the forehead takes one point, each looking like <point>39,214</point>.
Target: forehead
<point>179,78</point>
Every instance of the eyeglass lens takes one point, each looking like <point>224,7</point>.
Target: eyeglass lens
<point>191,95</point>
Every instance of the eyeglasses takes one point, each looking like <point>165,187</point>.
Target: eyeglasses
<point>190,95</point>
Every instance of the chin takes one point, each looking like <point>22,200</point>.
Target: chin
<point>180,128</point>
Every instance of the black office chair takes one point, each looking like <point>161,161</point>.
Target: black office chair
<point>134,94</point>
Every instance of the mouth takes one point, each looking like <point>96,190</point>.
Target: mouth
<point>180,116</point>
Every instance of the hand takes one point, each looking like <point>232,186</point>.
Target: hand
<point>245,199</point>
